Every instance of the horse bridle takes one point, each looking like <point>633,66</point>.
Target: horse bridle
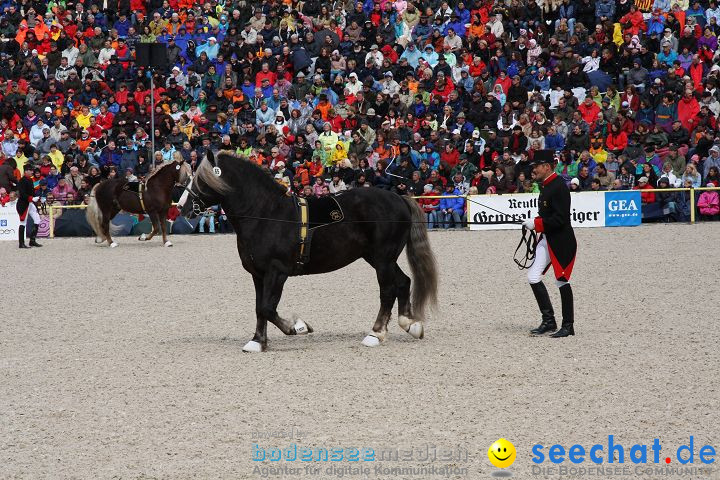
<point>197,203</point>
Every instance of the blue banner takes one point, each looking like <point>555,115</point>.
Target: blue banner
<point>622,208</point>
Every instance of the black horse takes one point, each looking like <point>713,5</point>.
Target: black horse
<point>368,223</point>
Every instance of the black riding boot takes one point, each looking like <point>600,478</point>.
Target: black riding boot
<point>568,313</point>
<point>33,236</point>
<point>546,309</point>
<point>21,237</point>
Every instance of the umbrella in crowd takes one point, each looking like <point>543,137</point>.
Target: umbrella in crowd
<point>122,224</point>
<point>72,223</point>
<point>143,226</point>
<point>183,226</point>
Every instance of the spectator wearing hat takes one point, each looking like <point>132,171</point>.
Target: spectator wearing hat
<point>574,185</point>
<point>465,168</point>
<point>646,196</point>
<point>465,128</point>
<point>431,205</point>
<point>712,160</point>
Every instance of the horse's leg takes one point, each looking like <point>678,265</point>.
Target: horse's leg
<point>290,327</point>
<point>406,319</point>
<point>163,227</point>
<point>105,226</point>
<point>153,221</point>
<point>268,290</point>
<point>102,235</point>
<point>388,293</point>
<point>255,345</point>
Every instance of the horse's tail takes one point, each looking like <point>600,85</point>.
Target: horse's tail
<point>422,262</point>
<point>94,214</point>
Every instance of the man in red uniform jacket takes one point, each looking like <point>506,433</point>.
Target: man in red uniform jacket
<point>26,206</point>
<point>556,245</point>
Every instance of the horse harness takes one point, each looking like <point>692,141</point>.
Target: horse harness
<point>326,211</point>
<point>141,189</point>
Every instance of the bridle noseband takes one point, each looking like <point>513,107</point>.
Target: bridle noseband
<point>197,203</point>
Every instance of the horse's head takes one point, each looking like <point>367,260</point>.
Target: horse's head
<point>184,170</point>
<point>206,187</point>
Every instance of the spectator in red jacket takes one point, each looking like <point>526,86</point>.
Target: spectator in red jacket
<point>589,111</point>
<point>265,73</point>
<point>646,196</point>
<point>617,139</point>
<point>687,110</point>
<point>430,205</point>
<point>450,155</point>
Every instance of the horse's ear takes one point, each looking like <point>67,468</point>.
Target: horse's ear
<point>210,157</point>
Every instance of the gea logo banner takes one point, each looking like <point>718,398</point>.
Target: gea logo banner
<point>587,209</point>
<point>622,208</point>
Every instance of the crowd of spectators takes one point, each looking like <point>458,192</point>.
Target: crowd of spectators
<point>435,98</point>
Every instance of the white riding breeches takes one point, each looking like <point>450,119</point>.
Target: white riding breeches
<point>541,263</point>
<point>33,213</point>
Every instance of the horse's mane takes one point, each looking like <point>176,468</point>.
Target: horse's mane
<point>256,181</point>
<point>157,170</point>
<point>177,161</point>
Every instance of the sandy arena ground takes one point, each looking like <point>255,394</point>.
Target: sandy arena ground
<point>127,363</point>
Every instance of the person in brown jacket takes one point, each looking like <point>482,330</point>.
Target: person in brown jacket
<point>8,181</point>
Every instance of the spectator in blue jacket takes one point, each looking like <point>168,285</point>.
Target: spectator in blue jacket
<point>567,11</point>
<point>431,157</point>
<point>122,25</point>
<point>553,140</point>
<point>605,10</point>
<point>451,210</point>
<point>422,31</point>
<point>110,155</point>
<point>541,80</point>
<point>463,13</point>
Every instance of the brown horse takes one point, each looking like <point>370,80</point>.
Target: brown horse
<point>152,198</point>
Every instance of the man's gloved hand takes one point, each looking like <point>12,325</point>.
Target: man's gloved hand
<point>529,224</point>
<point>35,199</point>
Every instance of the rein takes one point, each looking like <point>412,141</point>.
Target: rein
<point>529,238</point>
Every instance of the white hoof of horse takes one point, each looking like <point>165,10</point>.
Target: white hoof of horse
<point>417,330</point>
<point>143,237</point>
<point>404,322</point>
<point>99,240</point>
<point>168,243</point>
<point>113,245</point>
<point>252,347</point>
<point>301,328</point>
<point>371,341</point>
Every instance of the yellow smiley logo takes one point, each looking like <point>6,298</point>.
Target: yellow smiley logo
<point>502,453</point>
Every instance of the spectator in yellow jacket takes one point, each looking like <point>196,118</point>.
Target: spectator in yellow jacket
<point>56,156</point>
<point>339,154</point>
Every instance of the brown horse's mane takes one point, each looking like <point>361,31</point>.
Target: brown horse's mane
<point>158,170</point>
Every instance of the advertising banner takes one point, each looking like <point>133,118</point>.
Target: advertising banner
<point>9,223</point>
<point>587,209</point>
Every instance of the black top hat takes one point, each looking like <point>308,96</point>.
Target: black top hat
<point>544,156</point>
